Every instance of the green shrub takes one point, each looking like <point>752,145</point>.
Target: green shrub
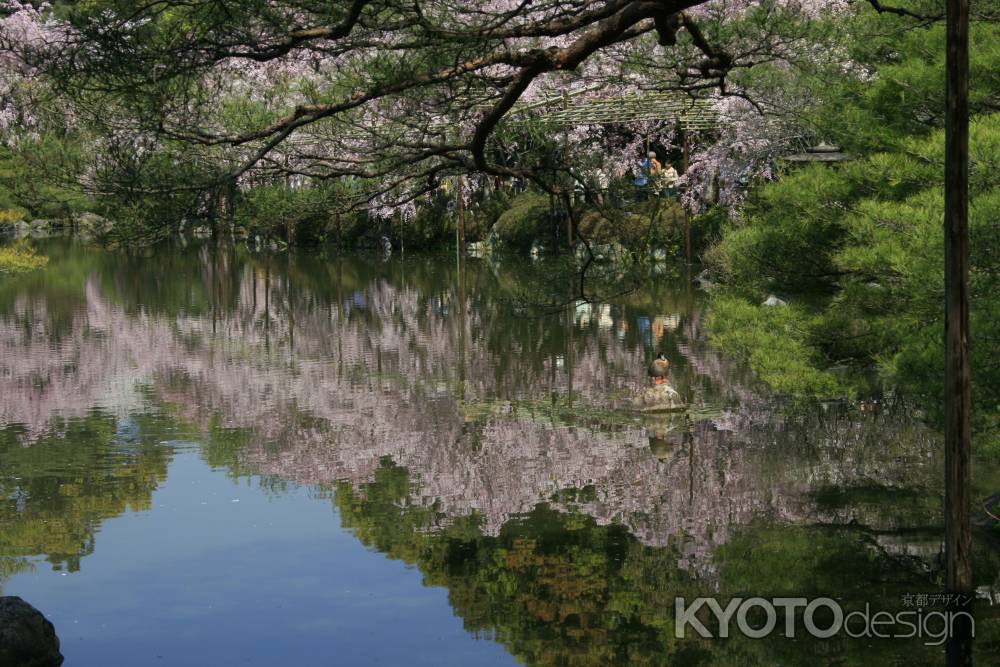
<point>525,221</point>
<point>10,215</point>
<point>658,222</point>
<point>19,258</point>
<point>863,248</point>
<point>775,343</point>
<point>301,214</point>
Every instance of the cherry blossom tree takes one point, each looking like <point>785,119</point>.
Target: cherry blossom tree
<point>400,95</point>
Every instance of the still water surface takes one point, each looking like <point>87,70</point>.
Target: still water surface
<point>209,457</point>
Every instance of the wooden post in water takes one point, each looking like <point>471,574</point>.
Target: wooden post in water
<point>957,391</point>
<point>214,254</point>
<point>568,360</point>
<point>687,218</point>
<point>267,304</point>
<point>554,219</point>
<point>289,304</point>
<point>569,180</point>
<point>460,311</point>
<point>460,210</point>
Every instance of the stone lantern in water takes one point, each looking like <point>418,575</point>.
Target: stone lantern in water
<point>822,152</point>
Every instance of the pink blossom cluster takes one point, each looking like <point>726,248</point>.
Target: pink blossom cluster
<point>20,24</point>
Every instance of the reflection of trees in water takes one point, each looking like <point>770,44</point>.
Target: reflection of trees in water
<point>445,428</point>
<point>11,566</point>
<point>558,588</point>
<point>554,588</point>
<point>55,494</point>
<point>316,371</point>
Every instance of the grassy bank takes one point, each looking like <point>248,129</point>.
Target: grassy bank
<point>19,258</point>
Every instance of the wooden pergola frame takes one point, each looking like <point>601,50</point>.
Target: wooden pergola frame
<point>691,113</point>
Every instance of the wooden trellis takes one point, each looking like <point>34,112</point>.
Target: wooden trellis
<point>564,111</point>
<point>691,114</point>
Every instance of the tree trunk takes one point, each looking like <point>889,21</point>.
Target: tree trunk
<point>957,402</point>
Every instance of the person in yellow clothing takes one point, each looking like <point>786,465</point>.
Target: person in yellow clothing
<point>647,176</point>
<point>655,166</point>
<point>667,181</point>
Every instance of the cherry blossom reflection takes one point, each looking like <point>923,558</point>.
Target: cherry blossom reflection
<point>328,369</point>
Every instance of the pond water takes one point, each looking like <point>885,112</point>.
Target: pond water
<point>211,457</point>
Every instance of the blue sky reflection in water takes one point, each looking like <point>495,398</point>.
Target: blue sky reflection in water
<point>420,482</point>
<point>201,579</point>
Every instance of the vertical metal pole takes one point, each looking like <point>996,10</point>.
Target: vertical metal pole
<point>957,391</point>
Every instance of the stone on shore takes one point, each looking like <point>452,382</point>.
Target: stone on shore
<point>27,639</point>
<point>773,301</point>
